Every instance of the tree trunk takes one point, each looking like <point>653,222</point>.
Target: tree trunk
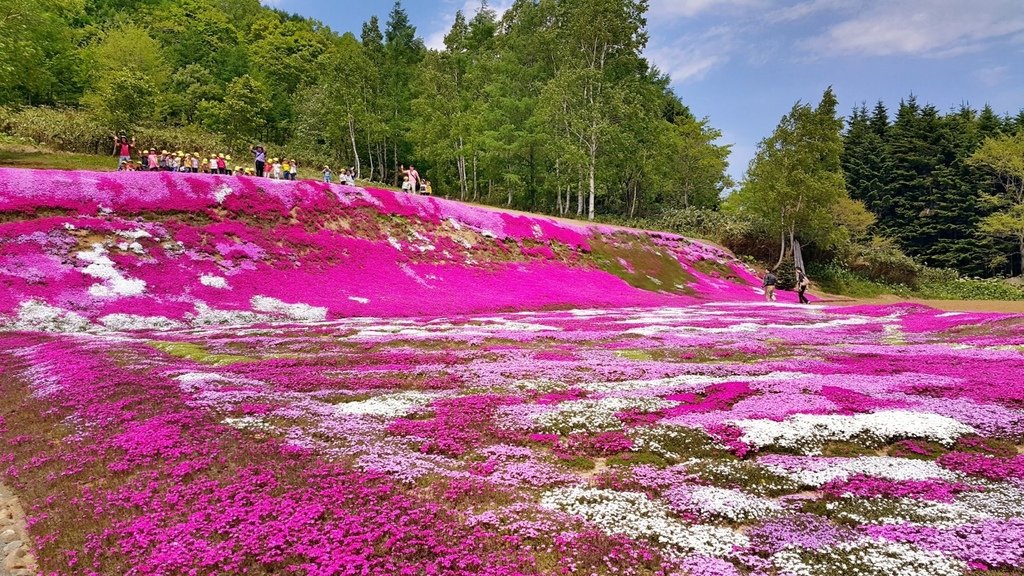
<point>369,155</point>
<point>463,189</point>
<point>558,188</point>
<point>782,250</point>
<point>1021,257</point>
<point>475,181</point>
<point>636,195</point>
<point>355,150</point>
<point>593,168</point>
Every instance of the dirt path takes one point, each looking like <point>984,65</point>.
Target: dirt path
<point>15,558</point>
<point>947,305</point>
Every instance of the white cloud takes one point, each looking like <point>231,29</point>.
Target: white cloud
<point>801,10</point>
<point>674,9</point>
<point>684,62</point>
<point>993,76</point>
<point>691,57</point>
<point>922,28</point>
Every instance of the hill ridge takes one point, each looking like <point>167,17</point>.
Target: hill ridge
<point>164,250</point>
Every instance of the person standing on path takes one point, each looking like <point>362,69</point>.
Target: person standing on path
<point>770,282</point>
<point>802,283</point>
<point>123,148</point>
<point>260,156</point>
<point>414,180</point>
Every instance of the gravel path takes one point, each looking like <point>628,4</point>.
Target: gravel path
<point>14,544</point>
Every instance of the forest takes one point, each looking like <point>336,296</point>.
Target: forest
<point>550,107</point>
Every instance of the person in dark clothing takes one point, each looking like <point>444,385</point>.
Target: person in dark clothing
<point>261,160</point>
<point>770,282</point>
<point>802,284</point>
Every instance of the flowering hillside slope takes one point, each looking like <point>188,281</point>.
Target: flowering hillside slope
<point>161,249</point>
<point>188,390</point>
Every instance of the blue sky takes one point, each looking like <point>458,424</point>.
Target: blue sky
<point>743,63</point>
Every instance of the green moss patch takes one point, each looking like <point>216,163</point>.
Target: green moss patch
<point>197,353</point>
<point>641,264</point>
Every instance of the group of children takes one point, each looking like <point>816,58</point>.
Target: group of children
<point>194,163</point>
<point>413,183</point>
<point>346,176</point>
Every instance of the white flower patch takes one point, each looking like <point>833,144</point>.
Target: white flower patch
<point>425,245</point>
<point>214,282</point>
<point>868,558</point>
<point>221,193</point>
<point>408,271</point>
<point>251,423</point>
<point>999,500</point>
<point>714,502</point>
<point>134,234</point>
<point>206,316</point>
<point>496,323</point>
<point>689,382</point>
<point>589,416</point>
<point>816,472</point>
<point>132,322</point>
<point>298,312</point>
<point>653,438</point>
<point>809,432</point>
<point>387,406</point>
<point>636,516</point>
<point>131,247</point>
<point>395,243</point>
<point>752,327</point>
<point>36,316</point>
<point>359,300</point>
<point>879,511</point>
<point>190,380</point>
<point>114,283</point>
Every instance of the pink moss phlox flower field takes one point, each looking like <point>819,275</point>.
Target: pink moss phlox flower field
<point>217,375</point>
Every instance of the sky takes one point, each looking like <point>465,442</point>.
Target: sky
<point>744,63</point>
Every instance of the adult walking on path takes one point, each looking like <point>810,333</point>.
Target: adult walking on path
<point>802,283</point>
<point>770,282</point>
<point>261,159</point>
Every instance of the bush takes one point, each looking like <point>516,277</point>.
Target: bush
<point>837,279</point>
<point>713,225</point>
<point>786,273</point>
<point>71,130</point>
<point>187,139</point>
<point>61,129</point>
<point>947,285</point>
<point>882,261</point>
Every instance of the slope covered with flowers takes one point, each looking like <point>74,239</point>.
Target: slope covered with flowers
<point>264,427</point>
<point>162,249</point>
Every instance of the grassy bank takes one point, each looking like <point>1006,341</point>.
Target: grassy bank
<point>933,285</point>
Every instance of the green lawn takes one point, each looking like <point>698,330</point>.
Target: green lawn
<point>22,156</point>
<point>25,157</point>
